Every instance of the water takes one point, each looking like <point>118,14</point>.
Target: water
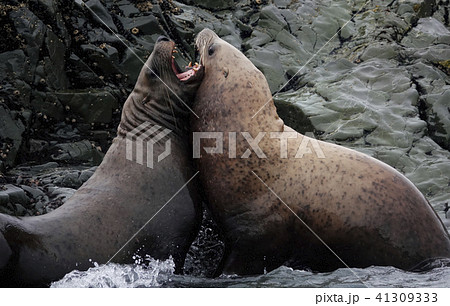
<point>160,274</point>
<point>152,274</point>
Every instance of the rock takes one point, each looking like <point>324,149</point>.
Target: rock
<point>93,106</point>
<point>19,210</point>
<point>46,104</point>
<point>11,129</point>
<point>34,192</point>
<point>14,195</point>
<point>105,59</point>
<point>100,14</point>
<point>13,65</point>
<point>32,30</point>
<point>86,174</point>
<point>128,9</point>
<point>213,5</point>
<point>270,65</point>
<point>143,25</point>
<point>131,64</point>
<point>49,165</point>
<point>293,116</point>
<point>428,31</point>
<point>70,180</point>
<point>81,74</point>
<point>438,114</point>
<point>54,64</point>
<point>81,151</point>
<point>61,193</point>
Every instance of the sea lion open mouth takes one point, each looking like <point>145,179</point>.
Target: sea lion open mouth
<point>184,76</point>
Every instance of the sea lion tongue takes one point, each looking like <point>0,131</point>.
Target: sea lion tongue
<point>184,75</point>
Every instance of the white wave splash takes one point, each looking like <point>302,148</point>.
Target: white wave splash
<point>153,273</point>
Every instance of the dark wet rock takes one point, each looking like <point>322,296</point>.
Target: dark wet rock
<point>32,30</point>
<point>270,65</point>
<point>213,5</point>
<point>70,180</point>
<point>91,106</point>
<point>131,65</point>
<point>54,63</point>
<point>128,9</point>
<point>82,151</point>
<point>104,59</point>
<point>438,115</point>
<point>49,165</point>
<point>35,193</point>
<point>86,174</point>
<point>47,105</point>
<point>11,129</point>
<point>12,194</point>
<point>81,75</point>
<point>100,13</point>
<point>61,193</point>
<point>13,65</point>
<point>143,25</point>
<point>294,117</point>
<point>73,178</point>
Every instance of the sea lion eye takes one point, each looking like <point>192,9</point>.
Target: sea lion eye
<point>211,50</point>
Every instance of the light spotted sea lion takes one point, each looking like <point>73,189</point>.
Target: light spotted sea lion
<point>314,205</point>
<point>122,195</point>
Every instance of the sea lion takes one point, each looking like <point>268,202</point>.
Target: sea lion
<point>122,195</point>
<point>282,198</point>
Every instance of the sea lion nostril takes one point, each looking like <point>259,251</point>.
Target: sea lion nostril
<point>162,38</point>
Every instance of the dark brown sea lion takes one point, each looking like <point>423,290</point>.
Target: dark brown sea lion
<point>122,195</point>
<point>286,199</point>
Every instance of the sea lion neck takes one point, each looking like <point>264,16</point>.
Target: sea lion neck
<point>158,110</point>
<point>157,100</point>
